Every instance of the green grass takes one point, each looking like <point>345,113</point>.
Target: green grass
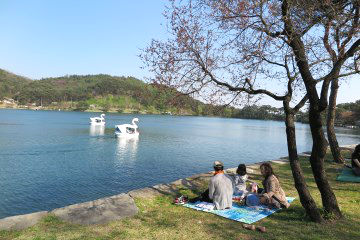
<point>158,218</point>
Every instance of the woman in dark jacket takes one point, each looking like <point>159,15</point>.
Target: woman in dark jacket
<point>355,161</point>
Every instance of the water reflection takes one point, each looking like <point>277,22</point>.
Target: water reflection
<point>127,146</point>
<point>97,130</point>
<point>126,151</point>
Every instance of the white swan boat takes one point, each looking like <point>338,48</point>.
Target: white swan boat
<point>127,130</point>
<point>98,120</point>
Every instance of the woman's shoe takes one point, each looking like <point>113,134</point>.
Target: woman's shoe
<point>249,227</point>
<point>261,229</point>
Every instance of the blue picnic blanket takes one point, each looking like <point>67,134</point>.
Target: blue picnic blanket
<point>239,213</point>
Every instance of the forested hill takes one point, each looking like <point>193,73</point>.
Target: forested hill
<point>103,93</point>
<point>10,83</point>
<point>130,95</point>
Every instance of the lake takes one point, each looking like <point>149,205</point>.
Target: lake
<point>51,159</point>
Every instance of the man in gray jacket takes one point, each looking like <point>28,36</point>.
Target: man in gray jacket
<point>220,187</point>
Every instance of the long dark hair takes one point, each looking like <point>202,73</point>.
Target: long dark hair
<point>268,169</point>
<point>241,170</point>
<point>356,153</point>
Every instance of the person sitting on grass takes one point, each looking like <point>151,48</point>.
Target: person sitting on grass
<point>355,161</point>
<point>272,195</point>
<point>220,188</point>
<point>240,179</point>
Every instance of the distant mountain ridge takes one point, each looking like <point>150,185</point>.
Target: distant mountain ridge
<point>100,92</point>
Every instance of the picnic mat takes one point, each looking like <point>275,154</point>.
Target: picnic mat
<point>347,175</point>
<point>238,213</point>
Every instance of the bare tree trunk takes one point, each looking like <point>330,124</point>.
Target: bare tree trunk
<point>306,199</point>
<point>317,164</point>
<point>319,142</point>
<point>334,146</point>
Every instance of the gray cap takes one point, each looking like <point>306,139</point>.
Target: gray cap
<point>218,164</point>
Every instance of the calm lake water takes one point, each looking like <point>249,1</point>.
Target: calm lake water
<point>52,159</point>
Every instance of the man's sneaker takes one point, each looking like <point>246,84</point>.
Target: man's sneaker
<point>181,200</point>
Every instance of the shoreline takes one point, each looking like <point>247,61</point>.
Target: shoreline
<point>122,205</point>
<point>130,111</point>
<point>126,111</point>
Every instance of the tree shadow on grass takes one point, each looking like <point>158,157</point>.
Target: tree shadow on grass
<point>334,171</point>
<point>294,222</point>
<point>292,214</point>
<point>346,188</point>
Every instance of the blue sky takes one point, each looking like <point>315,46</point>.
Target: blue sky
<point>44,38</point>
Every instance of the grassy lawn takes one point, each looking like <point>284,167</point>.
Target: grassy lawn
<point>158,218</point>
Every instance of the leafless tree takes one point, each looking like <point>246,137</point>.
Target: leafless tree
<point>282,49</point>
<point>339,29</point>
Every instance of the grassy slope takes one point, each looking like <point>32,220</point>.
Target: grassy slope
<point>159,219</point>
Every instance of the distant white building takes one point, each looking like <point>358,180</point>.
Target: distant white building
<point>8,100</point>
<point>276,112</point>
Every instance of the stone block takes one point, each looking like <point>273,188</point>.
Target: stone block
<point>99,211</point>
<point>144,193</point>
<point>21,221</point>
